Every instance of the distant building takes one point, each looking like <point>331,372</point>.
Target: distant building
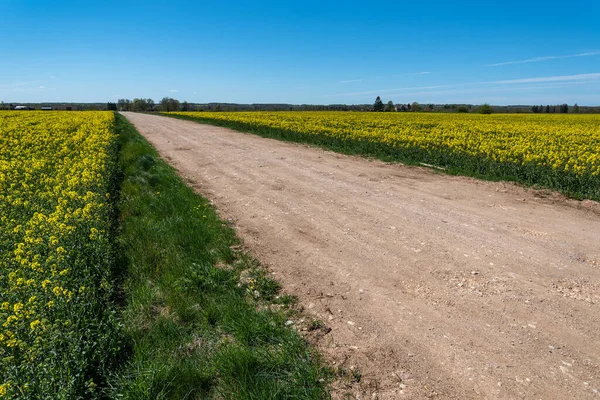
<point>65,107</point>
<point>46,109</point>
<point>21,108</point>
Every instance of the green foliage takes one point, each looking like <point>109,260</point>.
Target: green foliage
<point>59,335</point>
<point>485,109</point>
<point>168,104</point>
<point>378,106</point>
<point>142,105</point>
<point>192,304</point>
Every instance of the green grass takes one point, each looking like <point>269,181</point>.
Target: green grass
<point>193,308</point>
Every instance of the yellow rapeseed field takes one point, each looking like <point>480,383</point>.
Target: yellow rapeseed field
<point>55,253</point>
<point>558,151</point>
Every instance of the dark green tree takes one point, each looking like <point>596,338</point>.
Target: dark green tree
<point>485,109</point>
<point>378,106</point>
<point>389,106</point>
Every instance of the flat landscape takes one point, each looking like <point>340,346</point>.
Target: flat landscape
<point>432,285</point>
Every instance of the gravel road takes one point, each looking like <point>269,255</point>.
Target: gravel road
<point>432,285</point>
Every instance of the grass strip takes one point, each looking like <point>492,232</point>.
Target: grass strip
<point>197,314</point>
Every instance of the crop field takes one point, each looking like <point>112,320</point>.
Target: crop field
<point>118,280</point>
<point>57,330</point>
<point>555,151</point>
<point>90,250</point>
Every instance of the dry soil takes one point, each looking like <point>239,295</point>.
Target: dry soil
<point>432,285</point>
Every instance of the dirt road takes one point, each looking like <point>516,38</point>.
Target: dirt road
<point>433,285</point>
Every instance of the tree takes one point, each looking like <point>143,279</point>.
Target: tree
<point>415,106</point>
<point>111,106</point>
<point>535,109</point>
<point>168,104</point>
<point>389,106</point>
<point>378,106</point>
<point>485,109</point>
<point>463,109</point>
<point>576,109</point>
<point>547,109</point>
<point>139,105</point>
<point>564,108</point>
<point>124,104</point>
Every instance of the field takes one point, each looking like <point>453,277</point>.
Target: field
<point>58,329</point>
<point>432,285</point>
<point>553,151</point>
<point>118,281</point>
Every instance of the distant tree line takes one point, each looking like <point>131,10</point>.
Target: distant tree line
<point>485,108</point>
<point>170,104</point>
<point>562,108</point>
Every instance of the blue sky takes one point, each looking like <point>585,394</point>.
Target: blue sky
<point>318,52</point>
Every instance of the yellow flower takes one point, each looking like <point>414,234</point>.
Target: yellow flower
<point>4,389</point>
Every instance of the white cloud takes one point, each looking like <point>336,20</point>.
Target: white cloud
<point>546,58</point>
<point>15,85</point>
<point>42,87</point>
<point>412,74</point>
<point>52,77</point>
<point>352,81</point>
<point>514,88</point>
<point>579,78</point>
<point>390,90</point>
<point>173,90</point>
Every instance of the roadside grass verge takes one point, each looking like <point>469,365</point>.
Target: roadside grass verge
<point>438,157</point>
<point>198,315</point>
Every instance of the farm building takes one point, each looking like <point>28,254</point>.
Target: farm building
<point>66,107</point>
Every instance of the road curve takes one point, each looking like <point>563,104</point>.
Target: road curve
<point>433,285</point>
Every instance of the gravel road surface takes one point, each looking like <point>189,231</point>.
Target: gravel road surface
<point>432,285</point>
